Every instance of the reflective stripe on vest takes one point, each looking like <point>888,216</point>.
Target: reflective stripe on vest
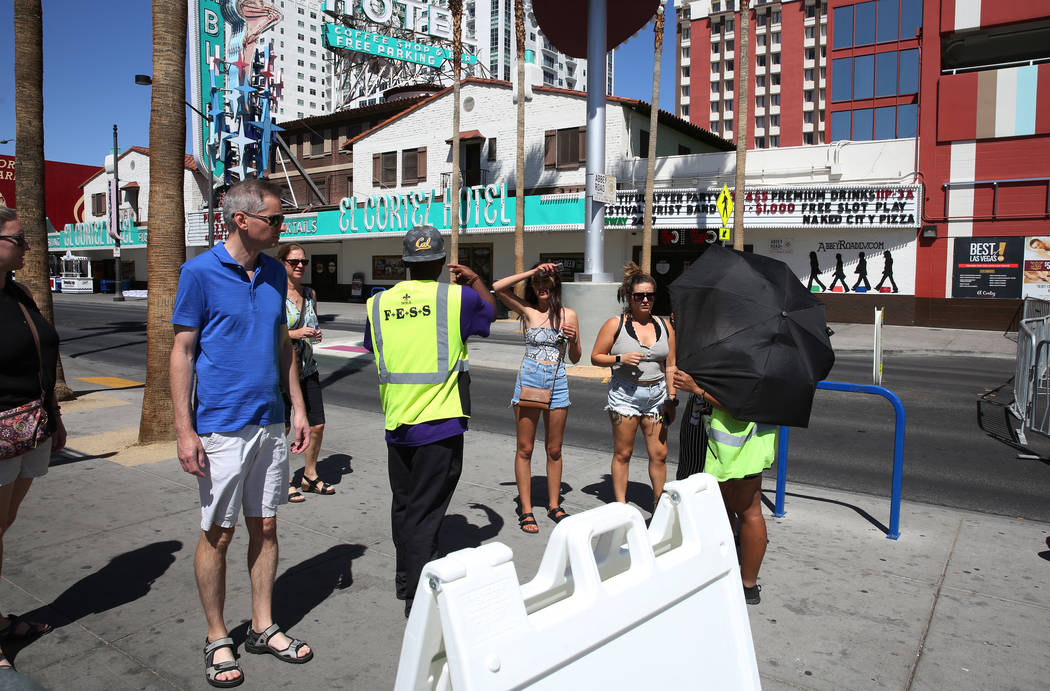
<point>721,437</point>
<point>441,368</point>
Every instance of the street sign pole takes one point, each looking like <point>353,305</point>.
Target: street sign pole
<point>114,216</point>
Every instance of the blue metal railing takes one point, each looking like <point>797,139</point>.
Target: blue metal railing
<point>898,451</point>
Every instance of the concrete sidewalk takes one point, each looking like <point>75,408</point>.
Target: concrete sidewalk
<point>103,548</point>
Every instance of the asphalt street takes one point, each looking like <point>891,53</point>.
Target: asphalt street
<point>948,459</point>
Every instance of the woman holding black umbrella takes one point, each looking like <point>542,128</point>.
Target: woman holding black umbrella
<point>736,453</point>
<point>640,349</point>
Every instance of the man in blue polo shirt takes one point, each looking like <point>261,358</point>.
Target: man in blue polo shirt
<point>230,331</point>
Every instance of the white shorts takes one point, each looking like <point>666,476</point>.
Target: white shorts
<point>32,463</point>
<point>246,468</point>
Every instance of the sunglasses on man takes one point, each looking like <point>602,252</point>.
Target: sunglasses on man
<point>18,240</point>
<point>274,221</point>
<point>297,262</point>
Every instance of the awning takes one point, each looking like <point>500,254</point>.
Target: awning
<point>130,186</point>
<point>469,135</point>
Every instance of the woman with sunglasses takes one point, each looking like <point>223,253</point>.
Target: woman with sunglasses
<point>23,380</point>
<point>301,308</point>
<point>548,328</point>
<point>639,347</point>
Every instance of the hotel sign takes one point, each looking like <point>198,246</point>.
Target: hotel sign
<point>339,36</point>
<point>853,207</point>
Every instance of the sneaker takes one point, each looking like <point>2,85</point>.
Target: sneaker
<point>751,595</point>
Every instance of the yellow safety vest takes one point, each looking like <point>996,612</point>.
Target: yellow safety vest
<point>736,448</point>
<point>419,351</point>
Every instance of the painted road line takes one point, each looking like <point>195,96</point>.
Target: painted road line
<point>111,382</point>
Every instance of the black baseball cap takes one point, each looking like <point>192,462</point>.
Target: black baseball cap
<point>423,244</point>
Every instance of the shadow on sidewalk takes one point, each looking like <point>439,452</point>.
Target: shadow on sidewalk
<point>860,512</point>
<point>330,469</point>
<point>638,493</point>
<point>302,587</point>
<point>458,533</point>
<point>126,578</point>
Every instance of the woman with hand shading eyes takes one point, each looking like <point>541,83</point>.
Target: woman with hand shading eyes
<point>551,334</point>
<point>639,347</point>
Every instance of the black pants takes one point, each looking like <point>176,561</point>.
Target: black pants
<point>692,439</point>
<point>422,479</point>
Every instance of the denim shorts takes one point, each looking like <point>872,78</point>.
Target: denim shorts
<point>541,375</point>
<point>628,398</point>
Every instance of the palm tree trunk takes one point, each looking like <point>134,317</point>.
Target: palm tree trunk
<point>456,6</point>
<point>519,165</point>
<point>650,161</point>
<point>29,162</point>
<point>166,242</point>
<point>743,89</point>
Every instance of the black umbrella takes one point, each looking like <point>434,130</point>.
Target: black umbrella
<point>750,334</point>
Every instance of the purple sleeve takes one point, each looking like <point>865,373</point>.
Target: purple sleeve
<point>475,315</point>
<point>367,345</point>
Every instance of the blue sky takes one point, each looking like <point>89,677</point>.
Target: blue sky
<point>93,50</point>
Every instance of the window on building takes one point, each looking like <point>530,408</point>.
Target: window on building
<point>911,18</point>
<point>774,99</point>
<point>840,123</point>
<point>492,149</point>
<point>760,121</point>
<point>716,48</point>
<point>565,148</point>
<point>643,144</point>
<point>807,96</point>
<point>863,76</point>
<point>808,75</point>
<point>760,81</point>
<point>413,166</point>
<point>301,89</point>
<point>715,108</point>
<point>684,150</point>
<point>907,120</point>
<point>885,122</point>
<point>774,140</point>
<point>811,32</point>
<point>886,74</point>
<point>843,26</point>
<point>728,107</point>
<point>864,23</point>
<point>729,84</point>
<point>760,40</point>
<point>98,204</point>
<point>685,70</point>
<point>729,45</point>
<point>862,124</point>
<point>761,20</point>
<point>760,101</point>
<point>775,79</point>
<point>301,63</point>
<point>760,142</point>
<point>776,37</point>
<point>810,54</point>
<point>807,138</point>
<point>807,117</point>
<point>774,121</point>
<point>685,53</point>
<point>728,127</point>
<point>888,29</point>
<point>302,24</point>
<point>715,87</point>
<point>776,58</point>
<point>316,144</point>
<point>729,65</point>
<point>685,111</point>
<point>909,72</point>
<point>716,68</point>
<point>760,60</point>
<point>384,169</point>
<point>841,79</point>
<point>685,92</point>
<point>776,17</point>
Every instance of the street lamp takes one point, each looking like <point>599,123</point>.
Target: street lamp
<point>146,80</point>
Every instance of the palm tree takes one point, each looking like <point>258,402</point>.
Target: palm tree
<point>29,163</point>
<point>519,166</point>
<point>456,7</point>
<point>743,89</point>
<point>166,243</point>
<point>650,165</point>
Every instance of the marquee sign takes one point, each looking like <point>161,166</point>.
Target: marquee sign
<point>94,235</point>
<point>339,36</point>
<point>853,207</point>
<point>414,16</point>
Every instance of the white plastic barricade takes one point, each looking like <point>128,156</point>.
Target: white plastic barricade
<point>612,606</point>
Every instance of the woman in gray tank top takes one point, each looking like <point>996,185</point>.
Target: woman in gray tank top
<point>639,347</point>
<point>551,335</point>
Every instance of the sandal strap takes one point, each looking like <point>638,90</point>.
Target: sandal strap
<point>209,648</point>
<point>527,519</point>
<point>264,637</point>
<point>220,667</point>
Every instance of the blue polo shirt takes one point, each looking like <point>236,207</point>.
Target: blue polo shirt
<point>238,322</point>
